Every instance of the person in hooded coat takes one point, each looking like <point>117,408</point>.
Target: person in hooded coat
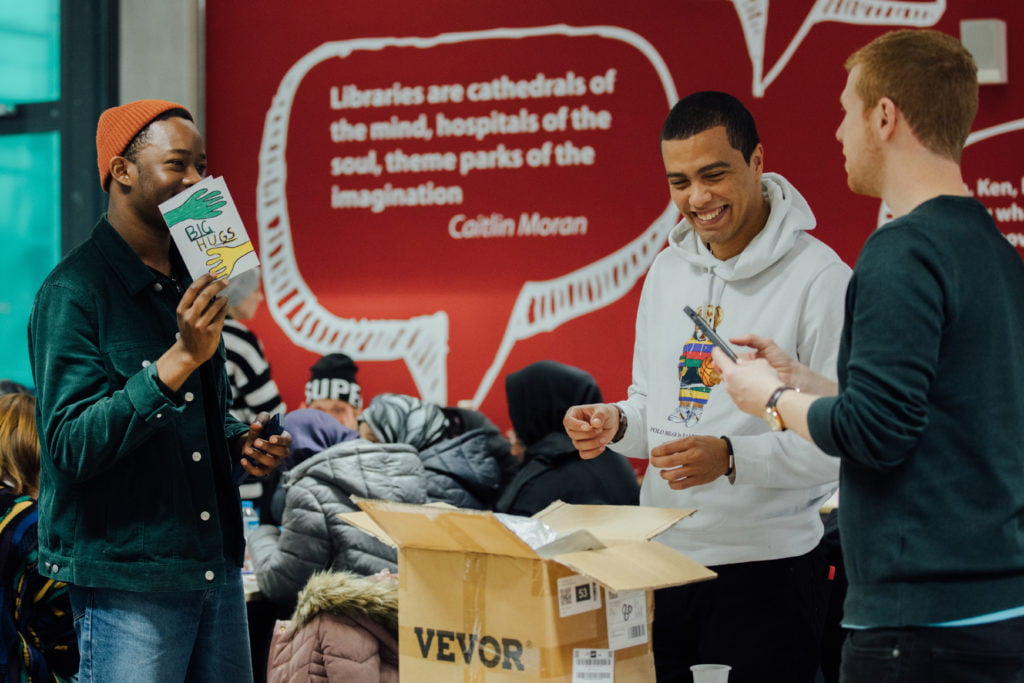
<point>345,628</point>
<point>467,469</point>
<point>313,431</point>
<point>538,396</point>
<point>312,537</point>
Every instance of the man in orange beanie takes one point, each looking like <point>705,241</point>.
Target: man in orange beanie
<point>137,509</point>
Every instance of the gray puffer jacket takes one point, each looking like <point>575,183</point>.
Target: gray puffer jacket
<point>470,470</point>
<point>311,537</point>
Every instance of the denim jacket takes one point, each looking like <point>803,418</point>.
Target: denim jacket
<point>135,483</point>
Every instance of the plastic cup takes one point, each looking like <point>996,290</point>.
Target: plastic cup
<point>710,673</point>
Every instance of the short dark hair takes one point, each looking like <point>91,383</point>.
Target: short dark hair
<point>701,111</point>
<point>131,151</point>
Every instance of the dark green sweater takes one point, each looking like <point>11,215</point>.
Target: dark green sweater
<point>929,420</point>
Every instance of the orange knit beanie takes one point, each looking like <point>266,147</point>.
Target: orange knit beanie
<point>119,125</point>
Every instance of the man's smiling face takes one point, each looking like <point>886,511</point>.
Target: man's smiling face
<point>716,190</point>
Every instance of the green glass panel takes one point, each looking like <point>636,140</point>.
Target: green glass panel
<point>30,226</point>
<point>29,51</point>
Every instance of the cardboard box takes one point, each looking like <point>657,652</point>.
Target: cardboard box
<point>476,603</point>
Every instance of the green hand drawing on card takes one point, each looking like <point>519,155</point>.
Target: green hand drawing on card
<point>225,258</point>
<point>196,207</point>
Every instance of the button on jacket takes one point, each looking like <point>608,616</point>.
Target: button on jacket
<point>135,489</point>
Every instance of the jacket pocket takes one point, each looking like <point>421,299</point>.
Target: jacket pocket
<point>126,360</point>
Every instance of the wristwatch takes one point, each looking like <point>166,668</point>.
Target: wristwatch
<point>623,425</point>
<point>771,413</point>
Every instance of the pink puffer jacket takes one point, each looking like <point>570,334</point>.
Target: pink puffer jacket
<point>343,629</point>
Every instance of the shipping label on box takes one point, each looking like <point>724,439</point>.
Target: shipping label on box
<point>591,666</point>
<point>577,594</point>
<point>627,619</point>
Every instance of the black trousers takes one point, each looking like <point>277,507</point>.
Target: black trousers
<point>987,653</point>
<point>764,619</point>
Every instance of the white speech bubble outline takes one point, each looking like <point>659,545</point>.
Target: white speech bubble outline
<point>422,341</point>
<point>753,16</point>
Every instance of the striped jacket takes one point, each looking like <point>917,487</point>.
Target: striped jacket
<point>252,389</point>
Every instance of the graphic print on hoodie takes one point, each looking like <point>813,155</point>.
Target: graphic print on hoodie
<point>697,372</point>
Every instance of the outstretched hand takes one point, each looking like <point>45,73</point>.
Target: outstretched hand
<point>749,381</point>
<point>791,371</point>
<point>767,348</point>
<point>591,427</point>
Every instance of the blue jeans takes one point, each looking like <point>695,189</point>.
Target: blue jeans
<point>171,636</point>
<point>987,653</point>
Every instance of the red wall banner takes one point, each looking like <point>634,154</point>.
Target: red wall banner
<point>449,191</point>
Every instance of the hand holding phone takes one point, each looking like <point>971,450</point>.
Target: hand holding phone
<point>272,427</point>
<point>710,334</point>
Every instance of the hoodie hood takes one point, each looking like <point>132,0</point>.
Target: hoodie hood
<point>540,394</point>
<point>789,217</point>
<point>314,431</point>
<point>397,418</point>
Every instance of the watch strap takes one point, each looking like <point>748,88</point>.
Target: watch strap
<point>776,395</point>
<point>623,425</point>
<point>731,472</point>
<point>771,411</point>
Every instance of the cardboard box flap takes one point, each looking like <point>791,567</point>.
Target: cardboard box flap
<point>577,541</point>
<point>636,566</point>
<point>364,522</point>
<point>452,529</point>
<point>611,522</point>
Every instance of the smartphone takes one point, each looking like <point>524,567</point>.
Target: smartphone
<point>710,334</point>
<point>272,427</point>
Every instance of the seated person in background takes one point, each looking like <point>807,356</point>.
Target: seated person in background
<point>312,538</point>
<point>345,628</point>
<point>314,431</point>
<point>332,388</point>
<point>467,468</point>
<point>538,397</point>
<point>252,389</point>
<point>39,642</point>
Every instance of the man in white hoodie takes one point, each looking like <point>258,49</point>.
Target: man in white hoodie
<point>742,257</point>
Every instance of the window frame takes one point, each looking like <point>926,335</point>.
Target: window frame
<point>89,53</point>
